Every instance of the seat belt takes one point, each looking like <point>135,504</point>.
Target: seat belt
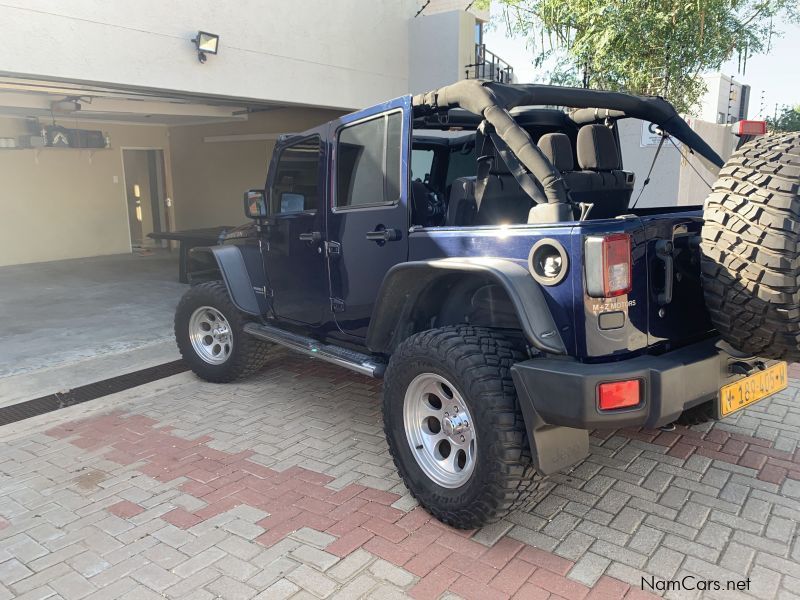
<point>524,179</point>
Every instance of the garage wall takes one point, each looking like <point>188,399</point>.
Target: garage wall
<point>64,203</point>
<point>210,177</point>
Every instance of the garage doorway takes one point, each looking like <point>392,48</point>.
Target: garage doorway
<point>146,195</point>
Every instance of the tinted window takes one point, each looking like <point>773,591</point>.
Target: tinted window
<point>295,185</point>
<point>368,162</point>
<point>461,164</point>
<point>421,161</point>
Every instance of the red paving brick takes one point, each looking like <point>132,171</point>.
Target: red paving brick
<point>124,509</point>
<point>444,558</point>
<point>772,465</point>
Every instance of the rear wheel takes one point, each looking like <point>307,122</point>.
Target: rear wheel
<point>209,331</point>
<point>453,425</point>
<point>750,248</point>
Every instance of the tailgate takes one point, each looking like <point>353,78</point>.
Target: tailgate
<point>676,310</point>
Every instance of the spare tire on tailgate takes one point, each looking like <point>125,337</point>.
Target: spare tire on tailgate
<point>751,248</point>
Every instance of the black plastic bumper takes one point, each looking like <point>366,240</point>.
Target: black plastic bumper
<point>564,392</point>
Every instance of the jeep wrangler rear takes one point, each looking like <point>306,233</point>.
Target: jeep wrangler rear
<point>481,254</point>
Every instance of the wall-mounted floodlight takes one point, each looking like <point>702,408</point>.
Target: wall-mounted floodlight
<point>207,43</point>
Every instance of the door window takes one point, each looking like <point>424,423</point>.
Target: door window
<point>295,185</point>
<point>368,162</point>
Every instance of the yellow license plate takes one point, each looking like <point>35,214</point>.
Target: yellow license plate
<point>755,387</point>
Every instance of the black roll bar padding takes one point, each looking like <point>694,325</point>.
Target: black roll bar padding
<point>493,101</point>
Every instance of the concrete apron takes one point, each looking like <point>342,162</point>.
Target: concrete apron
<point>30,385</point>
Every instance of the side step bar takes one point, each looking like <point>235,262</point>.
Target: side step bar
<point>350,359</point>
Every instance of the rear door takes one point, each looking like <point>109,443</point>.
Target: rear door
<point>367,221</point>
<point>677,313</point>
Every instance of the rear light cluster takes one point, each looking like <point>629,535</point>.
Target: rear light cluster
<point>746,128</point>
<point>619,394</point>
<point>608,265</point>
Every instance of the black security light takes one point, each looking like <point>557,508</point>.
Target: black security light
<point>207,43</point>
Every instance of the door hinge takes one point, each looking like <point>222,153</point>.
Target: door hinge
<point>337,305</point>
<point>333,249</point>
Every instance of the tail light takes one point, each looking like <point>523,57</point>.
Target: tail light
<point>747,128</point>
<point>618,394</point>
<point>608,265</point>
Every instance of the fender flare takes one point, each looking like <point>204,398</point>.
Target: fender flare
<point>232,260</point>
<point>406,282</point>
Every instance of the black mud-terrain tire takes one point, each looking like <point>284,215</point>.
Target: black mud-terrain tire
<point>247,354</point>
<point>751,248</point>
<point>476,361</point>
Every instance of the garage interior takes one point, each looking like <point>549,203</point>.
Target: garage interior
<point>89,173</point>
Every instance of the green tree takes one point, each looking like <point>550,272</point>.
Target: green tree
<point>787,120</point>
<point>654,47</point>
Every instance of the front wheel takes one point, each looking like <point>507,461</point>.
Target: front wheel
<point>209,331</point>
<point>453,426</point>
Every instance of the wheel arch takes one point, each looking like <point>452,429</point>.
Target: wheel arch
<point>419,295</point>
<point>239,267</point>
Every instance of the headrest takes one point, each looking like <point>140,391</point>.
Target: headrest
<point>558,150</point>
<point>597,148</point>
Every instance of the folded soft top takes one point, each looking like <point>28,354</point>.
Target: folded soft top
<point>493,100</point>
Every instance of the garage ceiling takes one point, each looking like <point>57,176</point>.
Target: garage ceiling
<point>28,98</point>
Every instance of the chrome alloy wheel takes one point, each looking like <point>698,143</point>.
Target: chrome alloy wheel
<point>211,335</point>
<point>439,430</point>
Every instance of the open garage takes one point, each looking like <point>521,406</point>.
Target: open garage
<point>94,179</point>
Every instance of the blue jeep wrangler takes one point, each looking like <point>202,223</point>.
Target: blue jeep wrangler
<point>477,251</point>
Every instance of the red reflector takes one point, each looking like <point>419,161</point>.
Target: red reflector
<point>618,394</point>
<point>750,128</point>
<point>616,265</point>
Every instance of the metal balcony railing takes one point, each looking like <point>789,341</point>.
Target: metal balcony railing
<point>489,66</point>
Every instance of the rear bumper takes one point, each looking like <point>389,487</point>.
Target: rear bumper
<point>564,392</point>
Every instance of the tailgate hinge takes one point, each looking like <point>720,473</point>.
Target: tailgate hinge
<point>337,305</point>
<point>333,249</point>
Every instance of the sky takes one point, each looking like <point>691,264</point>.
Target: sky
<point>775,74</point>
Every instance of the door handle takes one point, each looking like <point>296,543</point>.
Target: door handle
<point>313,236</point>
<point>384,235</point>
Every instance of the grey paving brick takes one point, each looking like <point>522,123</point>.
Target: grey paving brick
<point>693,515</point>
<point>589,568</point>
<point>737,557</point>
<point>780,529</point>
<point>665,563</point>
<point>154,577</point>
<point>574,545</point>
<point>312,580</point>
<point>88,564</point>
<point>236,568</point>
<point>645,540</point>
<point>72,586</point>
<point>628,520</point>
<point>388,572</point>
<point>619,554</point>
<point>13,570</point>
<point>315,557</point>
<point>713,535</point>
<point>281,589</point>
<point>226,587</point>
<point>272,572</point>
<point>198,562</point>
<point>360,587</point>
<point>312,537</point>
<point>350,565</point>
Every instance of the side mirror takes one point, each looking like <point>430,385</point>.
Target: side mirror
<point>255,204</point>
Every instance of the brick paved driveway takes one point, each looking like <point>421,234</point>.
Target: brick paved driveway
<point>282,486</point>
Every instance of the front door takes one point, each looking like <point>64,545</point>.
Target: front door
<point>294,257</point>
<point>368,216</point>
